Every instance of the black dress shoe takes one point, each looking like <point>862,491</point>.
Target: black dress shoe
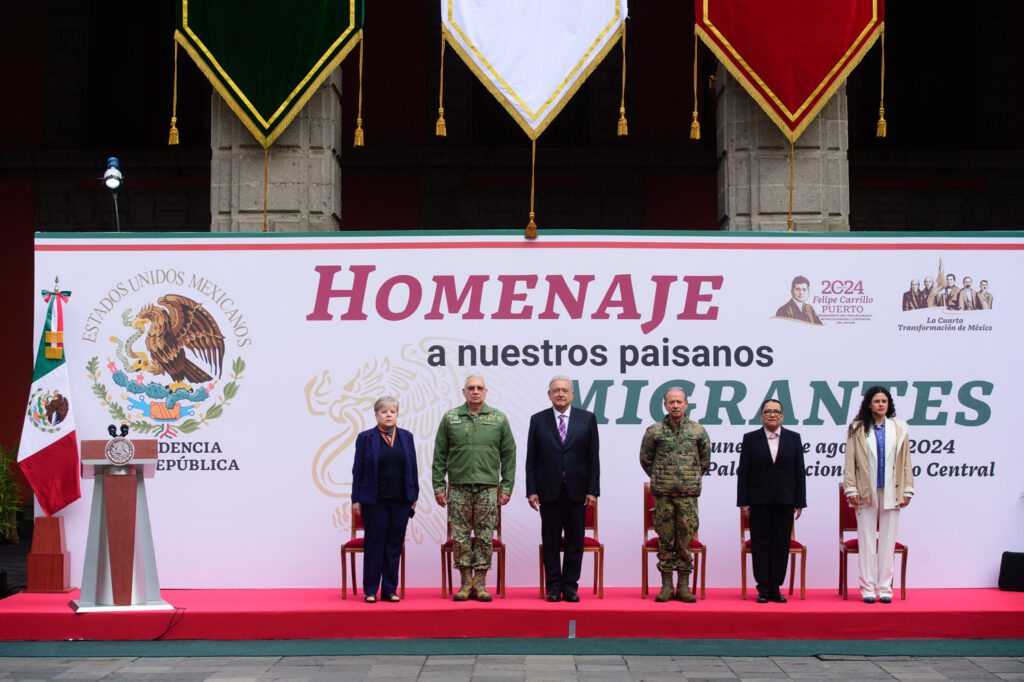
<point>778,597</point>
<point>761,599</point>
<point>570,596</point>
<point>554,596</point>
<point>885,600</point>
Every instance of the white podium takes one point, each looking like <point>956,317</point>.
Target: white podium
<point>120,566</point>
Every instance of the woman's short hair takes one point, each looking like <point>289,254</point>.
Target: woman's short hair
<point>385,401</point>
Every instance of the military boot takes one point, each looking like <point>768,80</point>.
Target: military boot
<point>666,587</point>
<point>683,589</point>
<point>466,590</point>
<point>480,585</point>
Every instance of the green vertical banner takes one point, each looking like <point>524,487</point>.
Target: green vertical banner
<point>267,58</point>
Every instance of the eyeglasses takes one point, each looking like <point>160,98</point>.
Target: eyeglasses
<point>772,413</point>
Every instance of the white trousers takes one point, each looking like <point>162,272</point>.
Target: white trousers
<point>876,565</point>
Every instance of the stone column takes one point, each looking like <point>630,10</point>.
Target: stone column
<point>753,166</point>
<point>304,187</point>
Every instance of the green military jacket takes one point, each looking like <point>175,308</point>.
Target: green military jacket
<point>474,448</point>
<point>676,457</point>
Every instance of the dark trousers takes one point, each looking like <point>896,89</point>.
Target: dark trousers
<point>384,534</point>
<point>770,528</point>
<point>556,516</point>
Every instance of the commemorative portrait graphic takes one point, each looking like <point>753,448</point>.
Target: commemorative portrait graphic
<point>798,308</point>
<point>943,292</point>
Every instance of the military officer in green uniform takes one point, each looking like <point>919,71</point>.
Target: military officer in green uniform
<point>474,449</point>
<point>675,453</point>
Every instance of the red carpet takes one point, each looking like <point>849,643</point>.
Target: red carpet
<point>322,614</point>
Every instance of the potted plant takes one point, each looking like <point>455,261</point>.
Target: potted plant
<point>10,496</point>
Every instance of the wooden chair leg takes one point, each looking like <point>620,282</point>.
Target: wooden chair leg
<point>643,572</point>
<point>845,566</point>
<point>444,592</point>
<point>842,559</point>
<point>743,573</point>
<point>903,575</point>
<point>344,576</point>
<point>595,571</point>
<point>501,573</point>
<point>355,589</point>
<point>703,572</point>
<point>600,591</point>
<point>792,569</point>
<point>803,574</point>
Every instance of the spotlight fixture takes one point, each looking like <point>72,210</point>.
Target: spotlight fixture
<point>112,180</point>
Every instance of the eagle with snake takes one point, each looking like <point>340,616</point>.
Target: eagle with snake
<point>181,324</point>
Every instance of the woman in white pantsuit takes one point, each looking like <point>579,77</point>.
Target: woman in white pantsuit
<point>878,481</point>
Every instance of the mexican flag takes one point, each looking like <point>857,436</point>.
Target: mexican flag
<point>48,454</point>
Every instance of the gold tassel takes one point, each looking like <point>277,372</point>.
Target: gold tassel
<point>789,220</point>
<point>441,130</point>
<point>172,138</point>
<point>695,126</point>
<point>358,142</point>
<point>265,174</point>
<point>880,131</point>
<point>623,126</point>
<point>531,227</point>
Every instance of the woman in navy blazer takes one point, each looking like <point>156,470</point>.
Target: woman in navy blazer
<point>385,487</point>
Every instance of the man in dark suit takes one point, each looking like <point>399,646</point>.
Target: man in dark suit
<point>771,491</point>
<point>562,479</point>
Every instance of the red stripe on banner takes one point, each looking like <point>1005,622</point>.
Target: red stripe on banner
<point>696,246</point>
<point>53,474</point>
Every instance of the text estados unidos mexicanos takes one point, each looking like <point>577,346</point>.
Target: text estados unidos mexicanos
<point>400,297</point>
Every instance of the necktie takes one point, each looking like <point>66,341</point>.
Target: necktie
<point>561,427</point>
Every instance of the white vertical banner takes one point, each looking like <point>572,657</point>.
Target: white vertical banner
<point>256,432</point>
<point>533,55</point>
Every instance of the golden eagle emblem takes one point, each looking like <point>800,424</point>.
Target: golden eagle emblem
<point>181,325</point>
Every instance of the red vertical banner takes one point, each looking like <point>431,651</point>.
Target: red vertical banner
<point>790,55</point>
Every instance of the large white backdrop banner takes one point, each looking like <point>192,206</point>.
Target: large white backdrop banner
<point>257,441</point>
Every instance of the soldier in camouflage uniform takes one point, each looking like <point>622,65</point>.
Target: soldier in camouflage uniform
<point>675,453</point>
<point>474,449</point>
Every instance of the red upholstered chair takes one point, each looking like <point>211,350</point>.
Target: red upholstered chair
<point>448,553</point>
<point>847,524</point>
<point>795,548</point>
<point>650,546</point>
<point>590,544</point>
<point>355,546</point>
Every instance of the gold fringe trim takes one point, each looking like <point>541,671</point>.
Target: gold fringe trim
<point>880,131</point>
<point>623,125</point>
<point>172,137</point>
<point>359,140</point>
<point>441,130</point>
<point>695,126</point>
<point>531,227</point>
<point>245,116</point>
<point>744,80</point>
<point>532,133</point>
